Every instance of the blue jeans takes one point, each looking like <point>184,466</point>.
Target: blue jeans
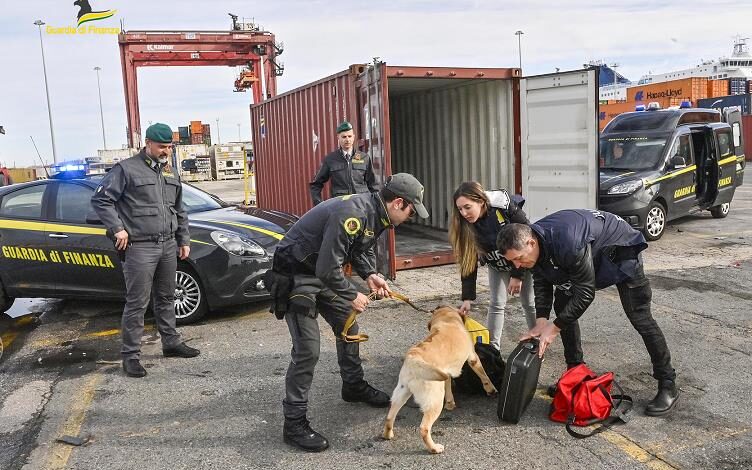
<point>498,283</point>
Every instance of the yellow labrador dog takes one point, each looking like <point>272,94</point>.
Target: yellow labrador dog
<point>428,370</point>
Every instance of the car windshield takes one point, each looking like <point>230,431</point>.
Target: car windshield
<point>194,199</point>
<point>632,152</point>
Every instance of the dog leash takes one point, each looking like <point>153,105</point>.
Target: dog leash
<point>361,337</point>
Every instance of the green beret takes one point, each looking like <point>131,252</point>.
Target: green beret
<point>345,126</point>
<point>159,133</point>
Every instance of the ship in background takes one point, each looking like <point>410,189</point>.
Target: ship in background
<point>737,69</point>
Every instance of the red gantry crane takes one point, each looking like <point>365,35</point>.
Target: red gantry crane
<point>246,45</point>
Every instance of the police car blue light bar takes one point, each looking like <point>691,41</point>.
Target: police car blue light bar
<point>653,106</point>
<point>685,104</point>
<point>640,107</point>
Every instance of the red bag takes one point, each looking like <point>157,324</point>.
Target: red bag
<point>584,398</point>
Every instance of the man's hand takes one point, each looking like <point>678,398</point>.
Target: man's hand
<point>465,308</point>
<point>360,302</point>
<point>545,332</point>
<point>515,285</point>
<point>378,285</point>
<point>184,252</point>
<point>121,240</point>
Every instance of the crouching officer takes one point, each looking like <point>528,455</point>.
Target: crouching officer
<point>350,171</point>
<point>573,253</point>
<point>311,254</point>
<point>140,203</point>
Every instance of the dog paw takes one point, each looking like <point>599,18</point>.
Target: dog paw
<point>437,449</point>
<point>492,391</point>
<point>450,405</point>
<point>388,435</point>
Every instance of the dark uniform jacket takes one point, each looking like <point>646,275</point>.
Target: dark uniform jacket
<point>144,198</point>
<point>335,232</point>
<point>347,177</point>
<point>581,251</point>
<point>503,210</point>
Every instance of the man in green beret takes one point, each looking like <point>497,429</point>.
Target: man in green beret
<point>350,171</point>
<point>140,201</point>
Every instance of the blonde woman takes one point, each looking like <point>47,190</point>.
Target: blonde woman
<point>476,221</point>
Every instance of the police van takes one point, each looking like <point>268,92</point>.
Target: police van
<point>657,165</point>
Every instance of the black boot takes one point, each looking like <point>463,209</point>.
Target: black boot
<point>362,392</point>
<point>181,350</point>
<point>665,400</point>
<point>298,433</point>
<point>133,368</point>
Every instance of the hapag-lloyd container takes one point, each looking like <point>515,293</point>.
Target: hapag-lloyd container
<point>537,136</point>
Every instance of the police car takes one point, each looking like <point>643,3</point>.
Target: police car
<point>53,245</point>
<point>659,165</point>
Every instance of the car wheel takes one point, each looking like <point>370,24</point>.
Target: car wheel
<point>655,222</point>
<point>5,301</point>
<point>190,297</point>
<point>719,212</point>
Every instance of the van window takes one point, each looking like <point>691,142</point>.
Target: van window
<point>683,148</point>
<point>724,142</point>
<point>25,203</point>
<point>737,135</point>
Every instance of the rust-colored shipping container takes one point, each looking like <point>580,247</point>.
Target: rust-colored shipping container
<point>717,88</point>
<point>206,130</point>
<point>196,127</point>
<point>747,133</point>
<point>197,138</point>
<point>176,136</point>
<point>692,89</point>
<point>444,125</point>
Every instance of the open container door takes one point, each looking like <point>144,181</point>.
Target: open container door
<point>374,121</point>
<point>559,142</point>
<point>733,117</point>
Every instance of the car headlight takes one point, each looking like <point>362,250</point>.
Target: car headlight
<point>237,245</point>
<point>625,188</point>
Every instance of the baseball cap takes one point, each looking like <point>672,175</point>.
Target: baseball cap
<point>409,188</point>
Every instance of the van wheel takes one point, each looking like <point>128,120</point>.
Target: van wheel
<point>655,223</point>
<point>5,301</point>
<point>720,212</point>
<point>190,297</point>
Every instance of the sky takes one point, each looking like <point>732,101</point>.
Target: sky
<point>320,38</point>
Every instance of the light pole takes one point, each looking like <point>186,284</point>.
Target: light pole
<point>519,34</point>
<point>218,141</point>
<point>101,113</point>
<point>239,139</point>
<point>39,23</point>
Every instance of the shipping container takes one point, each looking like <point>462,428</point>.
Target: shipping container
<point>198,167</point>
<point>747,133</point>
<point>739,101</point>
<point>537,136</point>
<point>227,160</point>
<point>184,132</point>
<point>738,86</point>
<point>692,89</point>
<point>116,155</point>
<point>196,127</point>
<point>206,129</point>
<point>175,136</point>
<point>609,111</point>
<point>22,175</point>
<point>717,88</point>
<point>197,139</point>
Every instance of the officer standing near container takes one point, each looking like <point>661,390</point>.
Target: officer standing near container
<point>308,279</point>
<point>140,203</point>
<point>350,171</point>
<point>572,253</point>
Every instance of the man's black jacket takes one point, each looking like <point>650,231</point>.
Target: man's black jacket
<point>353,176</point>
<point>337,231</point>
<point>581,251</point>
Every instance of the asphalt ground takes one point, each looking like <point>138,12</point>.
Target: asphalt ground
<point>60,375</point>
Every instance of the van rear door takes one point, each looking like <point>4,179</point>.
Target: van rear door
<point>559,141</point>
<point>733,117</point>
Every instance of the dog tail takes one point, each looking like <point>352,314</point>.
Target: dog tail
<point>426,371</point>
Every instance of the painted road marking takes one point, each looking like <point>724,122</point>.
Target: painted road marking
<point>60,453</point>
<point>625,444</point>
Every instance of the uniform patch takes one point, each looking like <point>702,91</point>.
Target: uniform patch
<point>357,158</point>
<point>352,226</point>
<point>368,233</point>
